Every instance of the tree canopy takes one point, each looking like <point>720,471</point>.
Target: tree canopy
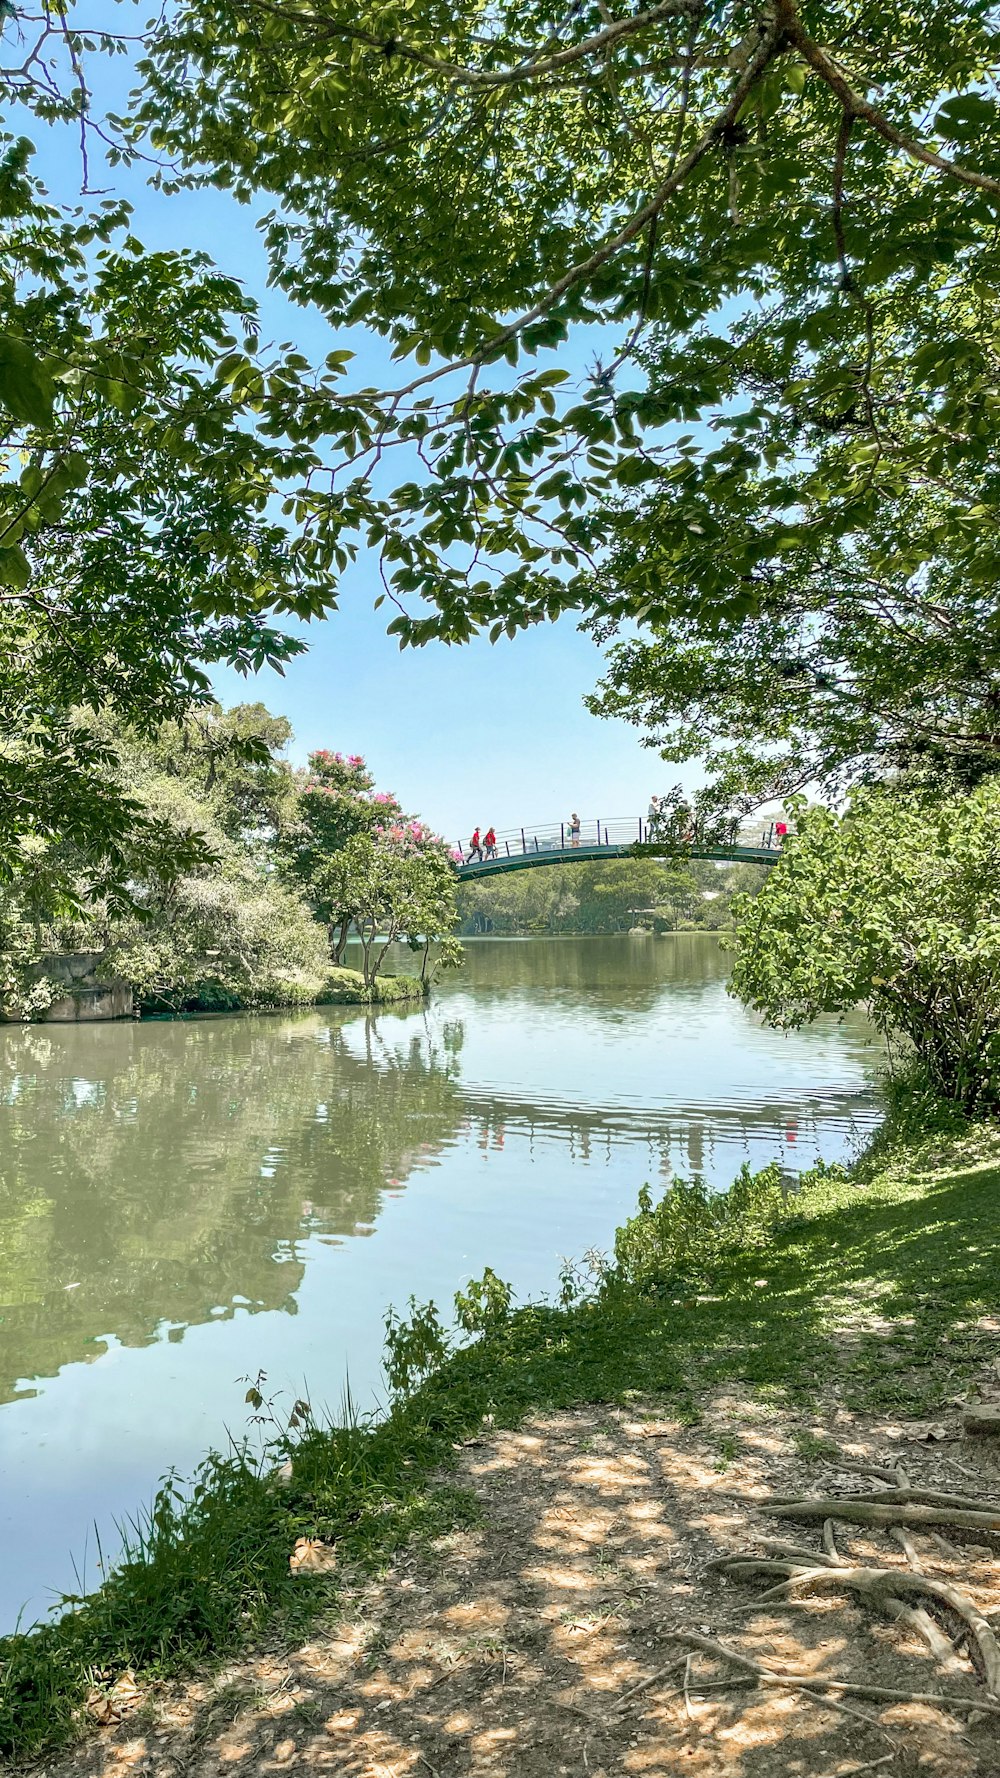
<point>893,905</point>
<point>250,886</point>
<point>140,542</point>
<point>775,224</point>
<point>783,215</point>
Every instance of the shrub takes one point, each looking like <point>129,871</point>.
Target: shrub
<point>691,1229</point>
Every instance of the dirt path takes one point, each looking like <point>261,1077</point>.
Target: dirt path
<point>509,1650</point>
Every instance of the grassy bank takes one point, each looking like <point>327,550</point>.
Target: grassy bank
<point>901,1253</point>
<point>337,987</point>
<point>347,987</point>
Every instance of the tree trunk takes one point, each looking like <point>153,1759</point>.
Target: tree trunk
<point>338,940</point>
<point>367,940</point>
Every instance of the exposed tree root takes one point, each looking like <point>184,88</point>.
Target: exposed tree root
<point>902,1594</point>
<point>907,1545</point>
<point>881,1588</point>
<point>815,1683</point>
<point>884,1510</point>
<point>944,1548</point>
<point>901,1496</point>
<point>830,1544</point>
<point>914,1617</point>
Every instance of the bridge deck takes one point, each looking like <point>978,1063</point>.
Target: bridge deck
<point>525,850</point>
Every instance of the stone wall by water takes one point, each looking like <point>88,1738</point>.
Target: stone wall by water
<point>109,1000</point>
<point>85,997</point>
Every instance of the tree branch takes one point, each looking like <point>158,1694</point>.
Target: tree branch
<point>856,106</point>
<point>456,72</point>
<point>584,269</point>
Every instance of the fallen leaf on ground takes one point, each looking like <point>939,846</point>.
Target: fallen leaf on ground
<point>111,1705</point>
<point>312,1556</point>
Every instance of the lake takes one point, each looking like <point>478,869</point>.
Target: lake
<point>184,1204</point>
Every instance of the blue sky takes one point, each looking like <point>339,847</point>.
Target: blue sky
<point>478,733</point>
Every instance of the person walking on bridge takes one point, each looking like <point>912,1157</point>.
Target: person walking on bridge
<point>490,843</point>
<point>475,847</point>
<point>574,830</point>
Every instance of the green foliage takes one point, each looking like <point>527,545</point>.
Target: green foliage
<point>140,541</point>
<point>233,857</point>
<point>335,801</point>
<point>226,938</point>
<point>420,1344</point>
<point>892,904</point>
<point>360,860</point>
<point>413,1347</point>
<point>391,888</point>
<point>484,1304</point>
<point>683,1238</point>
<point>601,897</point>
<point>786,214</point>
<point>786,472</point>
<point>207,923</point>
<point>348,987</point>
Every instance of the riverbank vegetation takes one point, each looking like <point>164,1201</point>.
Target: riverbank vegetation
<point>246,898</point>
<point>619,896</point>
<point>348,987</point>
<point>892,904</point>
<point>699,1292</point>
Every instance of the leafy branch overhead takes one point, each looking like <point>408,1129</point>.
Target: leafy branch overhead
<point>764,203</point>
<point>776,226</point>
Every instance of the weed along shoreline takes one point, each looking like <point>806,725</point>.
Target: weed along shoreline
<point>630,1448</point>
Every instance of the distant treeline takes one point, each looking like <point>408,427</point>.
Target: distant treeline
<point>612,897</point>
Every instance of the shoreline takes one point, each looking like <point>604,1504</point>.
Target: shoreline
<point>343,987</point>
<point>211,1574</point>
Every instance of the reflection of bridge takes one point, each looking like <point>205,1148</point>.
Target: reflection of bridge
<point>526,848</point>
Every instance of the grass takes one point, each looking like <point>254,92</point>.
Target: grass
<point>347,987</point>
<point>879,1284</point>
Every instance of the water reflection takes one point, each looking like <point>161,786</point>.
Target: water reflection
<point>181,1179</point>
<point>186,1202</point>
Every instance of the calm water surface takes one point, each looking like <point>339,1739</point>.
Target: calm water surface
<point>183,1204</point>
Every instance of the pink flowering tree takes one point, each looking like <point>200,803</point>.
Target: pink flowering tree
<point>338,805</point>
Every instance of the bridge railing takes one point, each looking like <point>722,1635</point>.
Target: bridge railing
<point>594,832</point>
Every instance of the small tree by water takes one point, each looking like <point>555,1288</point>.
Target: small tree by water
<point>894,904</point>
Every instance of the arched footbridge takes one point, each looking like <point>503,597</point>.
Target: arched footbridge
<point>527,848</point>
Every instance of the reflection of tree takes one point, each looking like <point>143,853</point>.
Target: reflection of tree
<point>163,1172</point>
<point>170,1171</point>
<point>605,975</point>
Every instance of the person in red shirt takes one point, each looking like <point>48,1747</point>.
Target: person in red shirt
<point>781,829</point>
<point>490,843</point>
<point>475,848</point>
